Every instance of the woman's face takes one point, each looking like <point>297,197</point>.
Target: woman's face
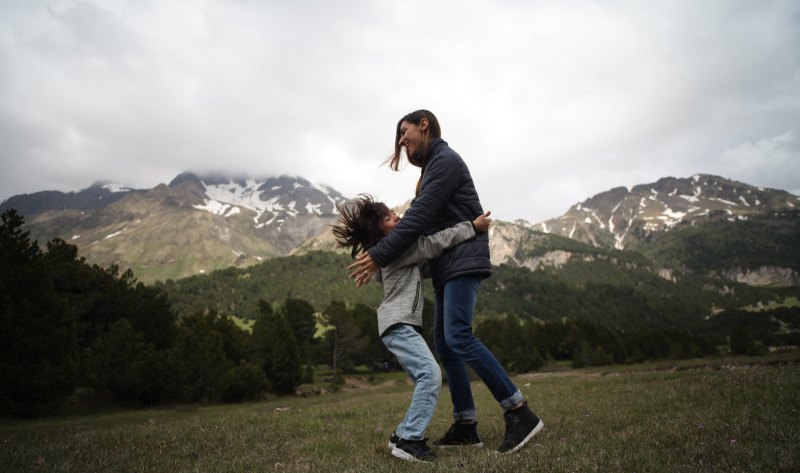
<point>412,138</point>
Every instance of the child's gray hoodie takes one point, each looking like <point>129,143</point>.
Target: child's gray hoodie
<point>402,278</point>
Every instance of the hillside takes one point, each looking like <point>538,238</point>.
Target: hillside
<point>317,277</point>
<point>98,195</point>
<point>702,226</point>
<point>761,250</point>
<point>606,290</point>
<point>619,217</point>
<point>194,225</point>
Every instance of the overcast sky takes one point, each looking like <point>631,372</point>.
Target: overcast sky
<point>548,102</point>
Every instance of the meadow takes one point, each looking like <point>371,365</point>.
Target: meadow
<point>724,414</point>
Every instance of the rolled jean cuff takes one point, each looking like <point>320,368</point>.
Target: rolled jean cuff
<point>512,400</point>
<point>470,414</point>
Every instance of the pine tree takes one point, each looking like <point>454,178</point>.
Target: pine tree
<point>277,351</point>
<point>197,361</point>
<point>344,339</point>
<point>300,315</point>
<point>741,341</point>
<point>38,347</point>
<point>126,366</point>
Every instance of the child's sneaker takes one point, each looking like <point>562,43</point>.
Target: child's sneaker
<point>413,451</point>
<point>393,440</point>
<point>459,435</point>
<point>521,425</point>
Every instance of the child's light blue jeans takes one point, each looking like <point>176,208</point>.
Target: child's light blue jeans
<point>456,345</point>
<point>416,358</point>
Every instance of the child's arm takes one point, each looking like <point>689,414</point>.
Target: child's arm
<point>431,246</point>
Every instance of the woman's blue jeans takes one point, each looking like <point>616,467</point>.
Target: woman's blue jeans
<point>456,345</point>
<point>416,358</point>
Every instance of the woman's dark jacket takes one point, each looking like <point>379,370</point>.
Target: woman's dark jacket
<point>447,196</point>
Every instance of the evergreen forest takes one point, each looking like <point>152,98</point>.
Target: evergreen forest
<point>72,329</point>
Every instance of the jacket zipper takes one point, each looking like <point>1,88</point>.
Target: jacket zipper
<point>416,296</point>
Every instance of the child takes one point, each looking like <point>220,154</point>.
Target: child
<point>363,223</point>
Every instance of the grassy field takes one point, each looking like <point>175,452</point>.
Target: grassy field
<point>733,414</point>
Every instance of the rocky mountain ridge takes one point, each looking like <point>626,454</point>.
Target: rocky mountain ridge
<point>195,224</point>
<point>198,224</point>
<point>98,195</point>
<point>613,218</point>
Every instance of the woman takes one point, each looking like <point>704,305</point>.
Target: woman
<point>445,196</point>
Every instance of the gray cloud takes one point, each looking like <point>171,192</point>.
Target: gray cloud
<point>548,102</point>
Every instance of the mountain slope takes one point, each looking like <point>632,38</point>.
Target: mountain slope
<point>762,250</point>
<point>96,196</point>
<point>615,218</point>
<point>194,225</point>
<point>608,291</point>
<point>704,226</point>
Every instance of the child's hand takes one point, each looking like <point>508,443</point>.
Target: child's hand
<point>482,223</point>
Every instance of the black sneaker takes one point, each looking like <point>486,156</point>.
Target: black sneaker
<point>393,440</point>
<point>521,425</point>
<point>413,451</point>
<point>459,435</point>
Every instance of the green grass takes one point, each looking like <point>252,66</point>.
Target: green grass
<point>732,414</point>
<point>244,324</point>
<point>789,302</point>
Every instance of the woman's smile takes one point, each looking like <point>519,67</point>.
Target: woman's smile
<point>411,138</point>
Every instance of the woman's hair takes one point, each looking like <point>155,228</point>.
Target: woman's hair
<point>357,227</point>
<point>433,131</point>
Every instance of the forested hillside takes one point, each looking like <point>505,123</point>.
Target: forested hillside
<point>74,329</point>
<point>65,324</point>
<point>616,290</point>
<point>719,245</point>
<point>317,277</point>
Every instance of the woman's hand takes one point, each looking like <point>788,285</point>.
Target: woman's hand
<point>363,269</point>
<point>482,223</point>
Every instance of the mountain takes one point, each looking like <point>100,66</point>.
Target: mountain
<point>615,218</point>
<point>195,224</point>
<point>98,195</point>
<point>509,243</point>
<point>674,229</point>
<point>699,226</point>
<point>763,250</point>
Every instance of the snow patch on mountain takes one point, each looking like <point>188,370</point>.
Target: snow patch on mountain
<point>291,210</point>
<point>726,202</point>
<point>112,235</point>
<point>272,200</point>
<point>668,219</point>
<point>213,206</point>
<point>313,208</point>
<point>115,187</point>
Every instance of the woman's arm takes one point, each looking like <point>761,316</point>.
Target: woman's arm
<point>440,181</point>
<point>431,246</point>
<point>424,248</point>
<point>442,177</point>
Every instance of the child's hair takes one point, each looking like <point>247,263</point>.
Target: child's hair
<point>357,228</point>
